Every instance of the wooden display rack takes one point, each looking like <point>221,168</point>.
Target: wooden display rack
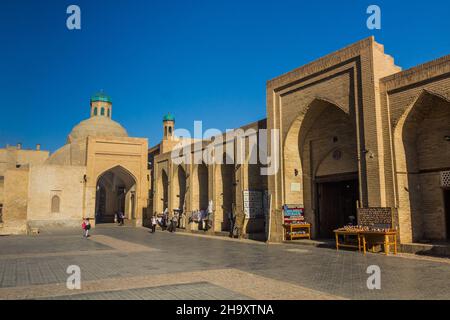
<point>290,228</point>
<point>294,221</point>
<point>346,234</point>
<point>389,239</point>
<point>365,238</point>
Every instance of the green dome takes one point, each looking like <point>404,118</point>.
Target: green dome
<point>101,96</point>
<point>169,117</point>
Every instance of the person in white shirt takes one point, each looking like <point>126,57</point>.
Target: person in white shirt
<point>154,224</point>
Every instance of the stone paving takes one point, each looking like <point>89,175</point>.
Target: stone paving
<point>191,291</point>
<point>130,263</point>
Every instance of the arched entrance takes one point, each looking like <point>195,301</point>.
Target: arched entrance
<point>115,192</point>
<point>227,191</point>
<point>422,153</point>
<point>201,187</point>
<point>164,190</point>
<point>180,188</point>
<point>321,167</point>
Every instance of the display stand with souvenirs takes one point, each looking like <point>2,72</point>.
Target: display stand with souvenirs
<point>375,228</point>
<point>295,226</point>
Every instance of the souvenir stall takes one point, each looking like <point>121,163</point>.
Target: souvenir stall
<point>295,226</point>
<point>376,227</point>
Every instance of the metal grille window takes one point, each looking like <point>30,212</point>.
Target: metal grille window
<point>445,179</point>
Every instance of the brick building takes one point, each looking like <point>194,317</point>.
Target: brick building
<point>348,133</point>
<point>355,131</point>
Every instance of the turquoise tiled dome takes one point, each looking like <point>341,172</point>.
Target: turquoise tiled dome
<point>169,117</point>
<point>101,96</point>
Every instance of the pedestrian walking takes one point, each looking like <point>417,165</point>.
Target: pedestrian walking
<point>165,219</point>
<point>231,221</point>
<point>174,222</point>
<point>121,218</point>
<point>154,222</point>
<point>86,226</point>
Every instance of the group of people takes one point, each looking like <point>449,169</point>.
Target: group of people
<point>169,223</point>
<point>165,222</point>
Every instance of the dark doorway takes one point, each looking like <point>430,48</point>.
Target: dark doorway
<point>447,211</point>
<point>337,204</point>
<point>115,194</point>
<point>228,198</point>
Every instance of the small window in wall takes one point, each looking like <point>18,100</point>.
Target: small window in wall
<point>1,212</point>
<point>102,112</point>
<point>170,131</point>
<point>55,204</point>
<point>95,111</point>
<point>109,114</point>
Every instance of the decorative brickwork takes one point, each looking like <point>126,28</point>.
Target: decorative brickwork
<point>377,217</point>
<point>445,179</point>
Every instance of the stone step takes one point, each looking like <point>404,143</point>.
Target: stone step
<point>323,243</point>
<point>427,249</point>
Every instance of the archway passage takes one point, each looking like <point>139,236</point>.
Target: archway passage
<point>179,196</point>
<point>203,186</point>
<point>228,194</point>
<point>326,174</point>
<point>181,188</point>
<point>164,186</point>
<point>200,196</point>
<point>115,193</point>
<point>426,154</point>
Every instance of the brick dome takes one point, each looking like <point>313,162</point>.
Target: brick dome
<point>97,127</point>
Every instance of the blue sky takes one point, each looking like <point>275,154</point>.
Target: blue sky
<point>198,59</point>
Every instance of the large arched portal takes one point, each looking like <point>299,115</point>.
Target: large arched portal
<point>225,189</point>
<point>201,187</point>
<point>179,193</point>
<point>115,192</point>
<point>164,184</point>
<point>321,168</point>
<point>180,188</point>
<point>422,153</point>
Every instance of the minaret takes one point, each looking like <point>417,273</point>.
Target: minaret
<point>168,141</point>
<point>169,126</point>
<point>101,105</point>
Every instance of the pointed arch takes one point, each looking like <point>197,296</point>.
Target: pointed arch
<point>225,192</point>
<point>296,166</point>
<point>420,153</point>
<point>116,189</point>
<point>201,187</point>
<point>180,188</point>
<point>318,130</point>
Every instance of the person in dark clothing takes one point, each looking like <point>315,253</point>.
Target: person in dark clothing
<point>121,218</point>
<point>232,222</point>
<point>174,222</point>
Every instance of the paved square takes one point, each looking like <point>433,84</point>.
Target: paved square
<point>130,263</point>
